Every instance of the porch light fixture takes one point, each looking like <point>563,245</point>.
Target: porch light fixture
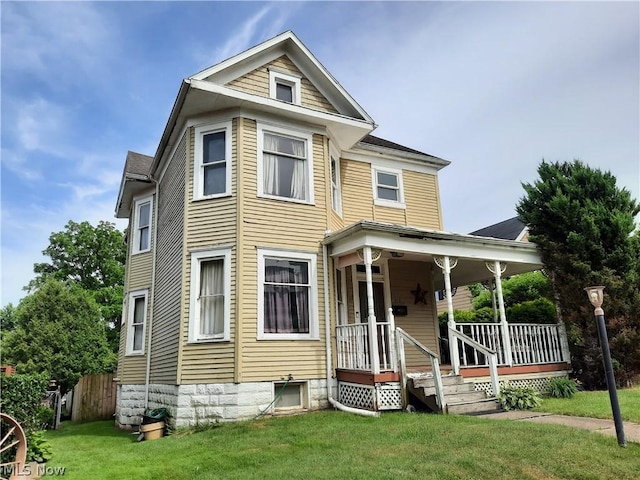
<point>596,297</point>
<point>397,254</point>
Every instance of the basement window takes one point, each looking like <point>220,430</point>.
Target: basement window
<point>290,396</point>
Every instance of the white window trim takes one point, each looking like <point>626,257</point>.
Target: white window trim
<point>287,132</point>
<point>333,153</point>
<point>313,300</point>
<point>276,77</point>
<point>374,183</point>
<point>341,310</point>
<point>304,396</point>
<point>130,326</point>
<point>194,311</point>
<point>198,180</point>
<point>136,225</point>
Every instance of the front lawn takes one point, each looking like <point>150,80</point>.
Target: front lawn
<point>595,404</point>
<point>335,445</point>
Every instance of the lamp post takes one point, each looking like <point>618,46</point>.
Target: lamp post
<point>596,295</point>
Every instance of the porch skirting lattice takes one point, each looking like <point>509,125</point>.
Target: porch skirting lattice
<point>381,396</point>
<point>540,383</point>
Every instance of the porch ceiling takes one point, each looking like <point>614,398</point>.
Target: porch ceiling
<point>409,243</point>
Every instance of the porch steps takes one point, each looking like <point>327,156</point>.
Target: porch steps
<point>461,397</point>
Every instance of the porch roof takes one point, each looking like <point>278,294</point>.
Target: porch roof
<point>412,243</point>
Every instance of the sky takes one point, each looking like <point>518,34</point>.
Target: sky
<point>493,87</point>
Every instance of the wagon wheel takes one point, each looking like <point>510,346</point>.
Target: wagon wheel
<point>13,448</point>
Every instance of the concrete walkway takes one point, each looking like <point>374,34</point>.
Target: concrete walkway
<point>606,427</point>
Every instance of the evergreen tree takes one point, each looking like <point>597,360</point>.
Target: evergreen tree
<point>583,225</point>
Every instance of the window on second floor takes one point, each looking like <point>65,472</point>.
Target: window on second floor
<point>137,320</point>
<point>387,187</point>
<point>285,87</point>
<point>285,164</point>
<point>212,161</point>
<point>142,225</point>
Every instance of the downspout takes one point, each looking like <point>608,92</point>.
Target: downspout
<point>151,295</point>
<point>327,336</point>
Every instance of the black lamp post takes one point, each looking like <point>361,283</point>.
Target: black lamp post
<point>596,295</point>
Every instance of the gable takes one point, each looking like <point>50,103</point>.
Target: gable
<point>256,82</point>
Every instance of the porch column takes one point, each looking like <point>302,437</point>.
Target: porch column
<point>371,314</point>
<point>497,269</point>
<point>446,265</point>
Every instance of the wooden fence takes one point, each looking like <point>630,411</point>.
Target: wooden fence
<point>94,398</point>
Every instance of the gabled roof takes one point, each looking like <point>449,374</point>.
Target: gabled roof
<point>286,44</point>
<point>135,178</point>
<point>511,229</point>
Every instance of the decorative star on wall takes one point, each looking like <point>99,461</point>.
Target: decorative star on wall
<point>420,295</point>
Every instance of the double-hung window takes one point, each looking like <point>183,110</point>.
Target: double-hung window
<point>142,225</point>
<point>387,187</point>
<point>287,295</point>
<point>212,161</point>
<point>284,87</point>
<point>136,321</point>
<point>285,164</point>
<point>209,312</point>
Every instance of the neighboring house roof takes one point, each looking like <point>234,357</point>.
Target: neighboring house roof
<point>135,178</point>
<point>511,229</point>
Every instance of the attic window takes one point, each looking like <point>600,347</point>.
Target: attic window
<point>284,87</point>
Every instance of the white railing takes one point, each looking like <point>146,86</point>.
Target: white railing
<point>487,334</point>
<point>533,343</point>
<point>530,343</point>
<point>490,356</point>
<point>353,346</point>
<point>401,338</point>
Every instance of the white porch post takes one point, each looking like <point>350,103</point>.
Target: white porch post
<point>445,264</point>
<point>371,314</point>
<point>497,269</point>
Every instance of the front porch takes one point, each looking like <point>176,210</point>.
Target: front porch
<point>388,267</point>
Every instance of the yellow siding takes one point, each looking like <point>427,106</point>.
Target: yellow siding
<point>420,322</point>
<point>422,200</point>
<point>420,195</point>
<point>287,225</point>
<point>209,223</point>
<point>389,214</point>
<point>131,369</point>
<point>357,195</point>
<point>256,82</point>
<point>462,300</point>
<point>166,319</point>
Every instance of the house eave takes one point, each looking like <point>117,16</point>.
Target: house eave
<point>411,243</point>
<point>131,186</point>
<point>392,154</point>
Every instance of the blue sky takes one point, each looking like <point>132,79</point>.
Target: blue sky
<point>492,87</point>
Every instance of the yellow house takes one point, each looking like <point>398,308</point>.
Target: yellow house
<point>280,256</point>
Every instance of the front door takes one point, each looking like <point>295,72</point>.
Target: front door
<point>378,301</point>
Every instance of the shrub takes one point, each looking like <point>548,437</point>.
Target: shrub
<point>22,399</point>
<point>562,387</point>
<point>540,310</point>
<point>518,398</point>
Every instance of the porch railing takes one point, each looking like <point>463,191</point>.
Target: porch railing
<point>353,347</point>
<point>401,338</point>
<point>530,343</point>
<point>489,355</point>
<point>533,343</point>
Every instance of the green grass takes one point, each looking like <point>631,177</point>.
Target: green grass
<point>595,404</point>
<point>339,445</point>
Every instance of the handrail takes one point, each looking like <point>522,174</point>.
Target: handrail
<point>401,337</point>
<point>491,355</point>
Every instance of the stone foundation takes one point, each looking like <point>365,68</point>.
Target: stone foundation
<point>190,405</point>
